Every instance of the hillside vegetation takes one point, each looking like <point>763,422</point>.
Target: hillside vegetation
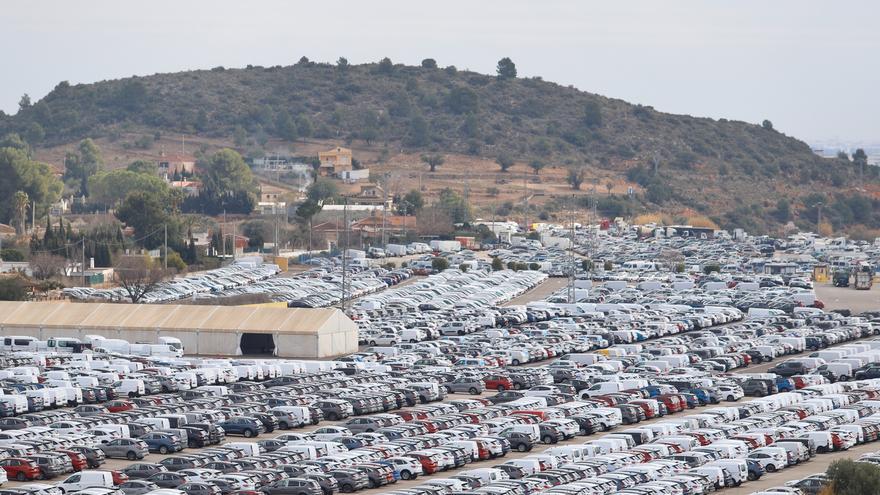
<point>737,173</point>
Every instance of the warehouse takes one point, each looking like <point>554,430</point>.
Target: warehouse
<point>204,330</point>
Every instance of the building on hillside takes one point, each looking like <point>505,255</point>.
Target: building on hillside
<point>369,230</point>
<point>371,194</point>
<point>172,164</point>
<point>353,176</point>
<point>334,162</point>
<point>189,187</point>
<point>280,164</point>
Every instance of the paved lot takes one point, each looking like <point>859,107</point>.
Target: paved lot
<point>833,298</point>
<point>546,288</point>
<point>854,300</point>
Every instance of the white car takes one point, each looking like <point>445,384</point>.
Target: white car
<point>328,433</point>
<point>771,459</point>
<point>407,467</point>
<point>542,391</point>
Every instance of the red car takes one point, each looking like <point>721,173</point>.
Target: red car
<point>119,477</point>
<point>119,406</point>
<point>78,460</point>
<point>20,469</point>
<point>498,382</point>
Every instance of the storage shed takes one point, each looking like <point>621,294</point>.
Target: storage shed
<point>205,330</point>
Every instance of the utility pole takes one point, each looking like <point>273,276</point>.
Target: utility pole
<point>571,298</point>
<point>83,267</point>
<point>526,203</point>
<point>165,250</point>
<point>344,256</point>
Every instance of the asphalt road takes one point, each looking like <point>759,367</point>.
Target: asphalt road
<point>849,298</point>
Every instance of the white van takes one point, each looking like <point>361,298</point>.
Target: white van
<point>86,479</point>
<point>130,387</point>
<point>736,470</point>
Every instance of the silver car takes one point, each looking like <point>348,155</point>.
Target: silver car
<point>125,448</point>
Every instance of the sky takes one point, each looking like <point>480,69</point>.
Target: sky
<point>808,66</point>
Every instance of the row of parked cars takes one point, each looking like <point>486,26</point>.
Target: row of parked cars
<point>217,281</point>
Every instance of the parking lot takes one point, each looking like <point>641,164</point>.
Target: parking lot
<point>652,381</point>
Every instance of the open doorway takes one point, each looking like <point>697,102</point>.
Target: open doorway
<point>257,343</point>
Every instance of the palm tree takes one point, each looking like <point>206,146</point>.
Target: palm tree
<point>20,201</point>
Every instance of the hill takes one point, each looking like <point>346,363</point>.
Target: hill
<point>733,172</point>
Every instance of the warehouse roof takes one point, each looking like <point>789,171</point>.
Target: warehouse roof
<point>252,319</point>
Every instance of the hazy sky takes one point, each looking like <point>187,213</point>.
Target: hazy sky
<point>809,66</point>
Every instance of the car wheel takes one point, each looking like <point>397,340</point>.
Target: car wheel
<point>21,476</point>
<point>405,475</point>
<point>547,439</point>
<point>517,386</point>
<point>248,433</point>
<point>522,447</point>
<point>413,341</point>
<point>163,450</point>
<point>730,398</point>
<point>752,476</point>
<point>771,468</point>
<point>448,390</point>
<point>131,455</point>
<point>347,488</point>
<point>474,391</point>
<point>373,342</point>
<point>515,362</point>
<point>283,426</point>
<point>501,388</point>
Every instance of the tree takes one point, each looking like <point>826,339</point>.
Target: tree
<point>841,155</point>
<point>342,64</point>
<point>433,160</point>
<point>586,265</point>
<point>429,63</point>
<point>860,159</point>
<point>439,264</point>
<point>592,114</point>
<point>609,186</point>
<point>782,213</point>
<point>711,267</point>
<point>147,215</point>
<point>138,276</point>
<point>143,167</point>
<point>504,161</point>
<point>111,188</point>
<point>411,203</point>
<point>20,173</point>
<point>767,125</point>
<point>82,164</point>
<point>46,265</point>
<point>537,166</point>
<point>847,477</point>
<point>304,126</point>
<point>497,264</point>
<point>24,102</point>
<point>506,69</point>
<point>322,190</point>
<point>225,174</point>
<point>576,177</point>
<point>12,288</point>
<point>386,66</point>
<point>454,205</point>
<point>418,132</point>
<point>9,254</point>
<point>20,202</point>
<point>462,100</point>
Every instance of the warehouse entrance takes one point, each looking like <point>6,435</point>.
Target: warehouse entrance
<point>257,343</point>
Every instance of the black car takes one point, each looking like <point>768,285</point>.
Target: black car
<point>270,422</point>
<point>143,470</point>
<point>506,396</point>
<point>293,486</point>
<point>94,457</point>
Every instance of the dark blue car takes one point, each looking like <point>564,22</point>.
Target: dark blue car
<point>163,443</point>
<point>243,425</point>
